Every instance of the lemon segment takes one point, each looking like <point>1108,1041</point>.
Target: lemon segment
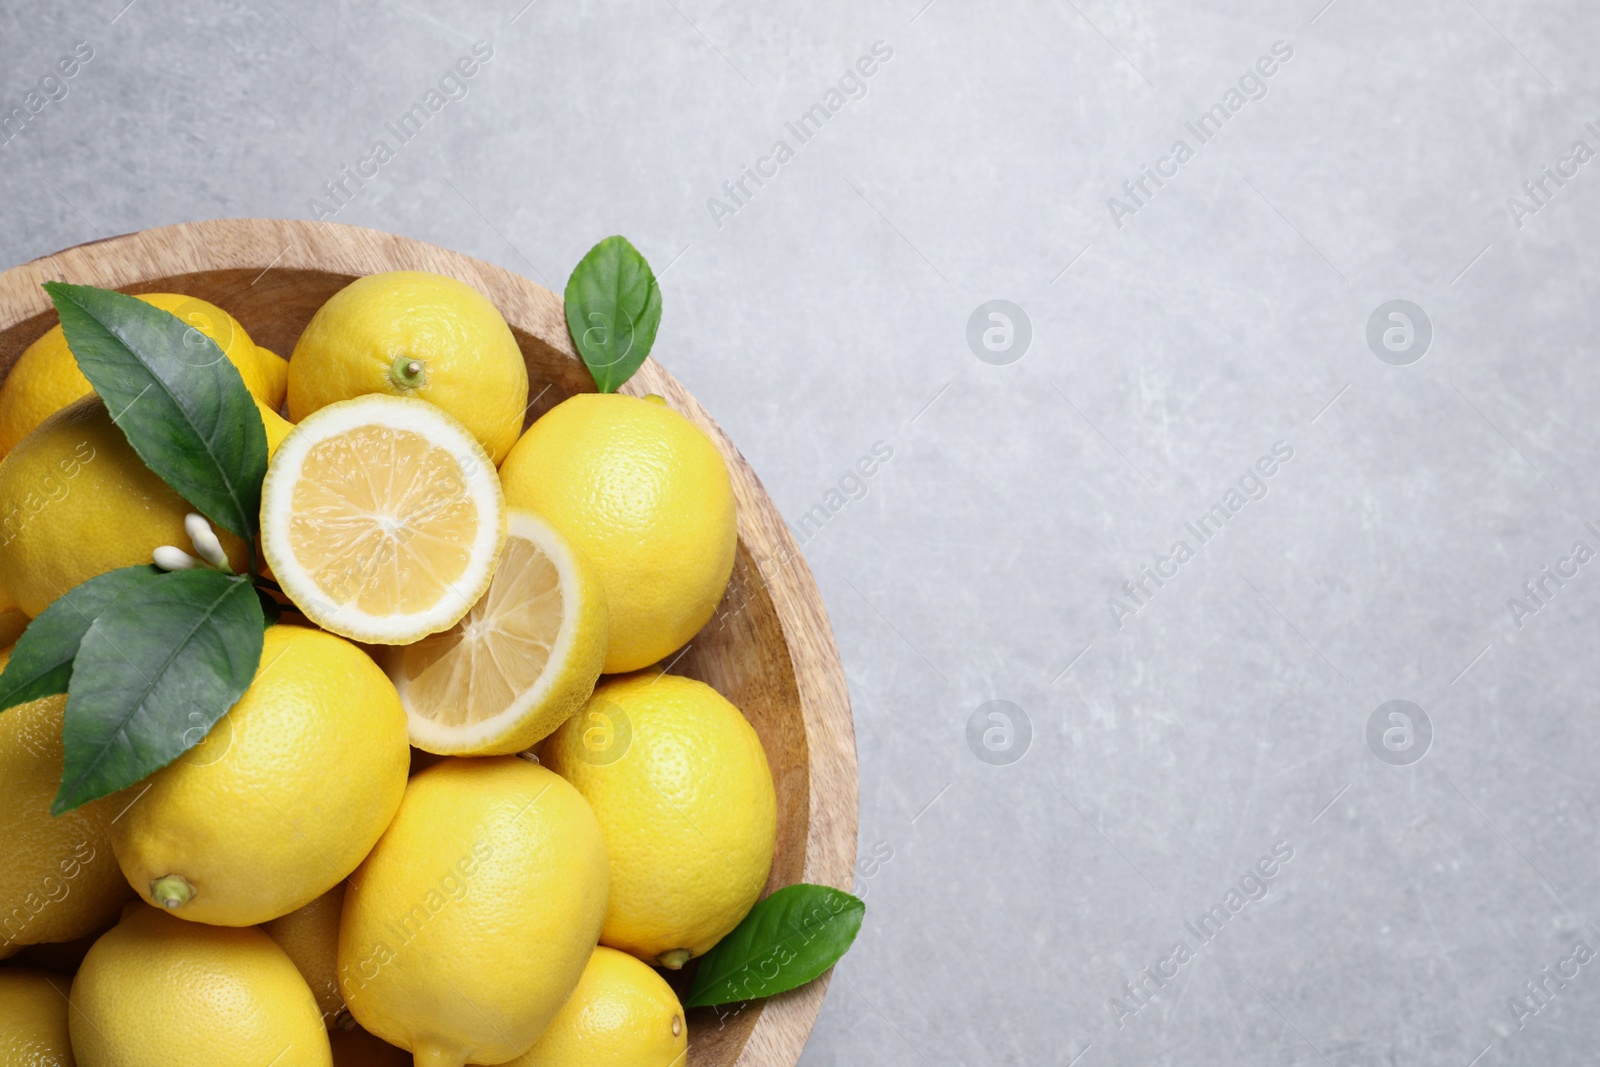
<point>382,518</point>
<point>522,660</point>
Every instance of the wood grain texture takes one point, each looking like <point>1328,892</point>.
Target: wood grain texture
<point>769,648</point>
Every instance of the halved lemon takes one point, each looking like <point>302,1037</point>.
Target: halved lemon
<point>525,658</point>
<point>382,519</point>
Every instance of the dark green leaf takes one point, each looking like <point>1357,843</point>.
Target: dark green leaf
<point>613,310</point>
<point>158,667</point>
<point>180,402</point>
<point>271,610</point>
<point>41,662</point>
<point>786,941</point>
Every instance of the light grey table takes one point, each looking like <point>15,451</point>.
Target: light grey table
<point>1039,872</point>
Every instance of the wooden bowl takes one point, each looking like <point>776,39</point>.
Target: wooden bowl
<point>769,649</point>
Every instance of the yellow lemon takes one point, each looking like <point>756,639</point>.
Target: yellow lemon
<point>645,495</point>
<point>76,501</point>
<point>276,425</point>
<point>622,1013</point>
<point>382,519</point>
<point>680,784</point>
<point>46,377</point>
<point>58,878</point>
<point>468,926</point>
<point>275,373</point>
<point>410,333</point>
<point>286,795</point>
<point>33,1019</point>
<point>310,935</point>
<point>157,992</point>
<point>522,661</point>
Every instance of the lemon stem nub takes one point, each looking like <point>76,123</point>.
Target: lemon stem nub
<point>675,959</point>
<point>408,373</point>
<point>173,891</point>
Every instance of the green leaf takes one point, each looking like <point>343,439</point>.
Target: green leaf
<point>180,402</point>
<point>613,310</point>
<point>158,667</point>
<point>41,662</point>
<point>786,941</point>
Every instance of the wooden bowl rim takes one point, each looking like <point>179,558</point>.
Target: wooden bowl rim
<point>125,261</point>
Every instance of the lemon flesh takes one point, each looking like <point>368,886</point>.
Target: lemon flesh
<point>522,661</point>
<point>382,519</point>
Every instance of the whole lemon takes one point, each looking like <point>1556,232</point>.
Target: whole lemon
<point>310,935</point>
<point>470,923</point>
<point>285,796</point>
<point>76,501</point>
<point>645,495</point>
<point>622,1012</point>
<point>46,377</point>
<point>681,786</point>
<point>58,877</point>
<point>33,1019</point>
<point>411,333</point>
<point>158,992</point>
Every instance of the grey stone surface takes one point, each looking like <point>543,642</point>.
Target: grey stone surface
<point>1173,344</point>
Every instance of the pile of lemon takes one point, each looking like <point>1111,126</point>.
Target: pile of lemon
<point>430,824</point>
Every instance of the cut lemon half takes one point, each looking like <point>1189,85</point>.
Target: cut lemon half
<point>382,519</point>
<point>525,658</point>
